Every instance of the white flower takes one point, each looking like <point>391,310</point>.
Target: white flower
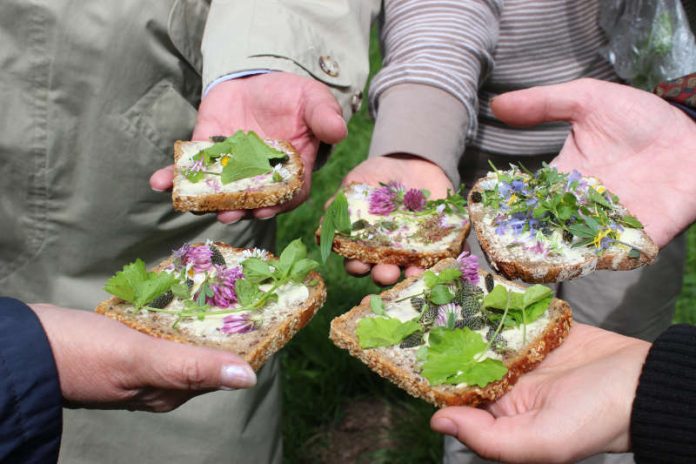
<point>440,209</point>
<point>362,189</point>
<point>283,172</point>
<point>254,253</point>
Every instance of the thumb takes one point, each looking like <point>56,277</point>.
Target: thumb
<point>175,366</point>
<point>322,114</point>
<point>508,439</point>
<point>529,107</point>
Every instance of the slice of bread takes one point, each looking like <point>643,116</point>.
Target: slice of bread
<point>401,366</point>
<point>514,257</point>
<point>408,244</point>
<point>281,320</point>
<point>210,195</point>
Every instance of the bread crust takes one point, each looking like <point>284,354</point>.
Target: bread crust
<point>258,197</point>
<point>545,272</point>
<point>343,335</point>
<point>254,347</point>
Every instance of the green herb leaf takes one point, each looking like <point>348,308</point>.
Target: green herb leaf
<point>256,270</point>
<point>451,359</point>
<point>529,305</point>
<point>440,295</point>
<point>295,251</point>
<point>335,219</point>
<point>302,268</point>
<point>379,331</point>
<point>243,165</point>
<point>445,276</point>
<point>377,305</point>
<point>247,292</point>
<point>137,286</point>
<point>631,221</point>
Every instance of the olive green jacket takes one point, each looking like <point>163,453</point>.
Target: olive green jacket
<point>93,96</point>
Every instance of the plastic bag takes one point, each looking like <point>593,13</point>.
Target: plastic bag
<point>649,40</point>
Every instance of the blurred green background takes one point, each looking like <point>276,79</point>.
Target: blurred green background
<point>336,410</point>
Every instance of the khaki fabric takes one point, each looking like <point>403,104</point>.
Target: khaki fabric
<point>93,96</point>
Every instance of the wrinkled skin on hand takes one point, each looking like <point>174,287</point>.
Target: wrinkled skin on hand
<point>641,147</point>
<point>576,403</point>
<point>413,172</point>
<point>104,364</point>
<point>275,105</point>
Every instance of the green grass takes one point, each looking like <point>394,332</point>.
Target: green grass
<point>319,380</point>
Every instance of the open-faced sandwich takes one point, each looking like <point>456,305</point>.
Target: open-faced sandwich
<point>238,172</point>
<point>551,226</point>
<point>455,335</point>
<point>393,224</point>
<point>210,294</point>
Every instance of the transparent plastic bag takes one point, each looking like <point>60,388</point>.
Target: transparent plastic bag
<point>650,41</point>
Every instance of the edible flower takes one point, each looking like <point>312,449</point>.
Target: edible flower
<point>447,315</point>
<point>599,238</point>
<point>199,258</point>
<point>223,288</point>
<point>468,265</point>
<point>382,201</point>
<point>414,200</point>
<point>238,323</point>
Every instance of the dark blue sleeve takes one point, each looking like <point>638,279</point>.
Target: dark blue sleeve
<point>30,397</point>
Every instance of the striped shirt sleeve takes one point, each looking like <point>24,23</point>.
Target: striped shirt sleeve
<point>443,46</point>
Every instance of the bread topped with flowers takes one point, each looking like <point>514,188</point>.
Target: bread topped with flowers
<point>393,224</point>
<point>238,172</point>
<point>454,335</point>
<point>214,295</point>
<point>550,226</point>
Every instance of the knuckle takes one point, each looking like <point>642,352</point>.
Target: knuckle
<point>192,374</point>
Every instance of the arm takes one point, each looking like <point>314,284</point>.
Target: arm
<point>425,97</point>
<point>320,55</point>
<point>580,402</point>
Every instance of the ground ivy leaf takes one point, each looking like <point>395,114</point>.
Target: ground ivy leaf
<point>256,270</point>
<point>295,251</point>
<point>379,331</point>
<point>244,164</point>
<point>302,268</point>
<point>480,373</point>
<point>440,295</point>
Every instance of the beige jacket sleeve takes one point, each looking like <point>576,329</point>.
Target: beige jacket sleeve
<point>327,41</point>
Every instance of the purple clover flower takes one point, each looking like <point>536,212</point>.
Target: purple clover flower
<point>213,184</point>
<point>414,200</point>
<point>396,187</point>
<point>447,312</point>
<point>181,253</point>
<point>199,257</point>
<point>238,324</point>
<point>382,201</point>
<point>468,265</point>
<point>224,294</point>
<point>197,166</point>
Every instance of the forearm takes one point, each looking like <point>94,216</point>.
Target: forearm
<point>436,53</point>
<point>328,43</point>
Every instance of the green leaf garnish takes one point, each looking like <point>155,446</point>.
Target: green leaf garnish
<point>441,295</point>
<point>137,286</point>
<point>379,331</point>
<point>451,358</point>
<point>377,305</point>
<point>523,307</point>
<point>336,219</point>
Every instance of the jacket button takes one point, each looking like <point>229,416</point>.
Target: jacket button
<point>355,101</point>
<point>329,65</point>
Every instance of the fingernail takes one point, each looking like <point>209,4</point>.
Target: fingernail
<point>265,218</point>
<point>230,221</point>
<point>157,189</point>
<point>445,426</point>
<point>236,376</point>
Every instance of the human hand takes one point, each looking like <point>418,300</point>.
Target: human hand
<point>104,364</point>
<point>275,105</point>
<point>641,147</point>
<point>576,403</point>
<point>413,172</point>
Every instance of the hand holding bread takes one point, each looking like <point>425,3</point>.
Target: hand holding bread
<point>103,364</point>
<point>278,106</point>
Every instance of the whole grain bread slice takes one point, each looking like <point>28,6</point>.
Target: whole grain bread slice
<point>258,196</point>
<point>528,269</point>
<point>401,371</point>
<point>374,253</point>
<point>254,347</point>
